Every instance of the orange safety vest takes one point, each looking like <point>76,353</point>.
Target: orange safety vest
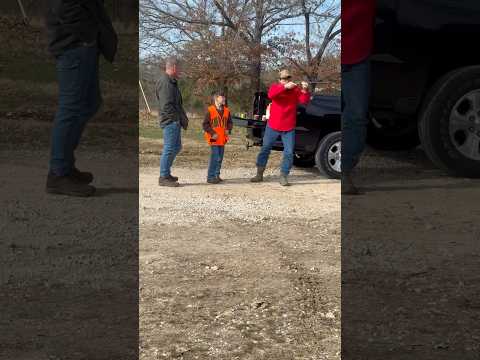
<point>219,125</point>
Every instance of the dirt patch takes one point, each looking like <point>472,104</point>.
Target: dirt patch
<point>409,253</point>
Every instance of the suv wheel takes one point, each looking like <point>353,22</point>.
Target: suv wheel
<point>449,124</point>
<point>328,157</point>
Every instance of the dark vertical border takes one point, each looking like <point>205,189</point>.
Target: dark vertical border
<point>68,266</point>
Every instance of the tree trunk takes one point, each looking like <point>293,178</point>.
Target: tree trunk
<point>255,74</point>
<point>225,91</point>
<point>256,63</point>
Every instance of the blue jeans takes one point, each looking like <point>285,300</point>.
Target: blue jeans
<point>172,144</point>
<point>79,99</point>
<point>215,163</point>
<point>269,138</point>
<point>355,102</point>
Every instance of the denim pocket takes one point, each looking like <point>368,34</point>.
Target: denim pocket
<point>69,60</point>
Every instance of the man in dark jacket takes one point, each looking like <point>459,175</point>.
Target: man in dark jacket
<point>78,31</point>
<point>172,118</point>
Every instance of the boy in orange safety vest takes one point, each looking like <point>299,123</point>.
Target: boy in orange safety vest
<point>217,125</point>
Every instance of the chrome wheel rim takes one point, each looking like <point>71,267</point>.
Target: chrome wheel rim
<point>334,156</point>
<point>464,125</point>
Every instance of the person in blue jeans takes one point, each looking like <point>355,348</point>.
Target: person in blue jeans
<point>172,118</point>
<point>217,125</point>
<point>285,96</point>
<point>358,20</point>
<point>76,42</point>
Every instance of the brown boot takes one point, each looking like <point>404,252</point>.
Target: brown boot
<point>259,176</point>
<point>82,176</point>
<point>167,181</point>
<point>68,185</point>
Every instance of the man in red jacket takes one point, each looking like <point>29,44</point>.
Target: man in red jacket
<point>285,96</point>
<point>357,42</point>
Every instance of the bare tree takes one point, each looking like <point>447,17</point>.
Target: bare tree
<point>172,23</point>
<point>313,54</point>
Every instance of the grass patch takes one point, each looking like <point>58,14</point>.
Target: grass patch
<point>151,133</point>
<point>30,67</point>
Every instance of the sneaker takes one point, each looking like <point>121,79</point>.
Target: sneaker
<point>82,176</point>
<point>213,181</point>
<point>68,185</point>
<point>167,181</point>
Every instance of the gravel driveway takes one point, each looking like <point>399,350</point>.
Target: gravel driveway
<point>239,271</point>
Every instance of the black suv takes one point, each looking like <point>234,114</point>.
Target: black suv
<point>426,81</point>
<point>317,133</point>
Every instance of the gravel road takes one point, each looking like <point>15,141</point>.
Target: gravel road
<point>239,271</point>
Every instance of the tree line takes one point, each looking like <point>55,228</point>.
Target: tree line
<point>238,45</point>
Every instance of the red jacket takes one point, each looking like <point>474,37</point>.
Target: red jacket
<point>283,111</point>
<point>358,20</point>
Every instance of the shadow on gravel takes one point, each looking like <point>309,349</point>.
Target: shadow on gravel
<point>463,185</point>
<point>108,191</point>
<point>294,180</point>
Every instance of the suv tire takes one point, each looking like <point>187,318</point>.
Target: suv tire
<point>328,155</point>
<point>453,146</point>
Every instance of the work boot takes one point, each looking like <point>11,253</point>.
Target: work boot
<point>348,188</point>
<point>167,181</point>
<point>68,185</point>
<point>173,178</point>
<point>213,181</point>
<point>284,180</point>
<point>82,176</point>
<point>259,176</point>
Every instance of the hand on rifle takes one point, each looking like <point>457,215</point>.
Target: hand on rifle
<point>290,85</point>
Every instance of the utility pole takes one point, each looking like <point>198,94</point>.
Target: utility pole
<point>22,9</point>
<point>144,97</point>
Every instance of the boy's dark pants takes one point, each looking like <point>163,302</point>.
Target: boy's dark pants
<point>215,163</point>
<point>79,100</point>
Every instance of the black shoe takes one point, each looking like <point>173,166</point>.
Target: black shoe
<point>220,179</point>
<point>68,185</point>
<point>82,176</point>
<point>213,181</point>
<point>173,178</point>
<point>167,181</point>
